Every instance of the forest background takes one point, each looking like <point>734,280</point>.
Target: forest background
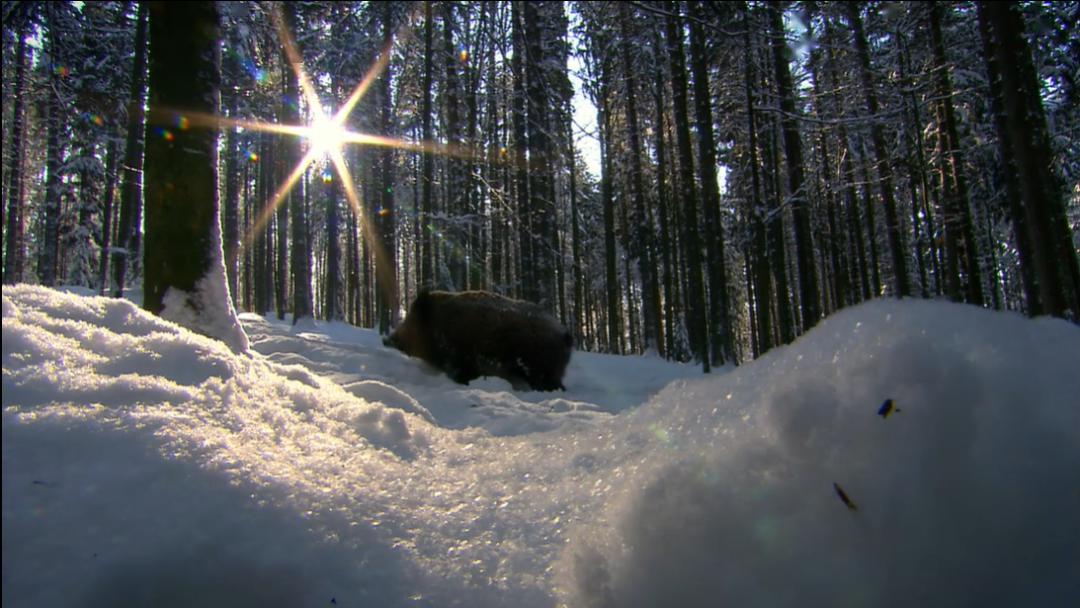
<point>700,180</point>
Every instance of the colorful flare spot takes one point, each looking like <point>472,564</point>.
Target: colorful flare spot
<point>253,157</point>
<point>383,212</point>
<point>62,71</point>
<point>464,55</point>
<point>182,123</point>
<point>97,120</point>
<point>164,133</point>
<point>327,177</point>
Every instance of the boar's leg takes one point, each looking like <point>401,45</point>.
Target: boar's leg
<point>461,375</point>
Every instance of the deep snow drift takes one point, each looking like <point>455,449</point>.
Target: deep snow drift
<point>146,465</point>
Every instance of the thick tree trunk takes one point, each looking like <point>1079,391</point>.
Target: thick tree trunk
<point>184,277</point>
<point>1025,139</point>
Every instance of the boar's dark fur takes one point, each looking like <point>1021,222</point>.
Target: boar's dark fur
<point>476,333</point>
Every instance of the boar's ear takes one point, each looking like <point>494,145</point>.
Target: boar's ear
<point>421,306</point>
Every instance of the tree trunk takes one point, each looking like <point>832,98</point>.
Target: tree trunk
<point>48,254</point>
<point>643,222</point>
<point>541,182</point>
<point>696,305</point>
<point>762,286</point>
<point>300,251</point>
<point>898,251</point>
<point>665,245</point>
<point>15,248</point>
<point>184,278</point>
<point>1026,140</point>
<point>721,331</point>
<point>131,184</point>
<point>958,225</point>
<point>1010,178</point>
<point>427,277</point>
<point>385,253</point>
<point>611,280</point>
<point>231,219</point>
<point>107,216</point>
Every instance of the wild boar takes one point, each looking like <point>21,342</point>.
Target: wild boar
<point>477,333</point>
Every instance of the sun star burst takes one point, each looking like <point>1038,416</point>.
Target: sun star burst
<point>326,135</point>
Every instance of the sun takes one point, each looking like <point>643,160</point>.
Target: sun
<point>325,136</point>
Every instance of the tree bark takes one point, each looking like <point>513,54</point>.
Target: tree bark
<point>131,183</point>
<point>897,249</point>
<point>15,248</point>
<point>184,278</point>
<point>721,331</point>
<point>1026,140</point>
<point>696,304</point>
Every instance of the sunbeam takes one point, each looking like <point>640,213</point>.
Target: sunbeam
<point>326,136</point>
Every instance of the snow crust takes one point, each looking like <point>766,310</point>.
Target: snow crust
<point>144,464</point>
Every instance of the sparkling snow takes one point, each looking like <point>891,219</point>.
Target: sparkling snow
<point>146,465</point>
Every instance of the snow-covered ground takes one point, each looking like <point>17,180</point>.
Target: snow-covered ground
<point>144,465</point>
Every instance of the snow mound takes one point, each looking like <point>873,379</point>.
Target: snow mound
<point>147,465</point>
<point>82,351</point>
<point>790,482</point>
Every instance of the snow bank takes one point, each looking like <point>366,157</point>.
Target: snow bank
<point>967,495</point>
<point>146,465</point>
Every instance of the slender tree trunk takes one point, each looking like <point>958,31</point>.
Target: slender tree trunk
<point>300,248</point>
<point>49,252</point>
<point>107,213</point>
<point>809,296</point>
<point>916,165</point>
<point>897,248</point>
<point>698,321</point>
<point>131,185</point>
<point>666,245</point>
<point>871,222</point>
<point>427,276</point>
<point>643,225</point>
<point>762,286</point>
<point>721,331</point>
<point>953,181</point>
<point>332,304</point>
<point>231,219</point>
<point>385,254</point>
<point>521,175</point>
<point>15,248</point>
<point>607,201</point>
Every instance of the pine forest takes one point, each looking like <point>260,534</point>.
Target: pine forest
<point>700,180</point>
